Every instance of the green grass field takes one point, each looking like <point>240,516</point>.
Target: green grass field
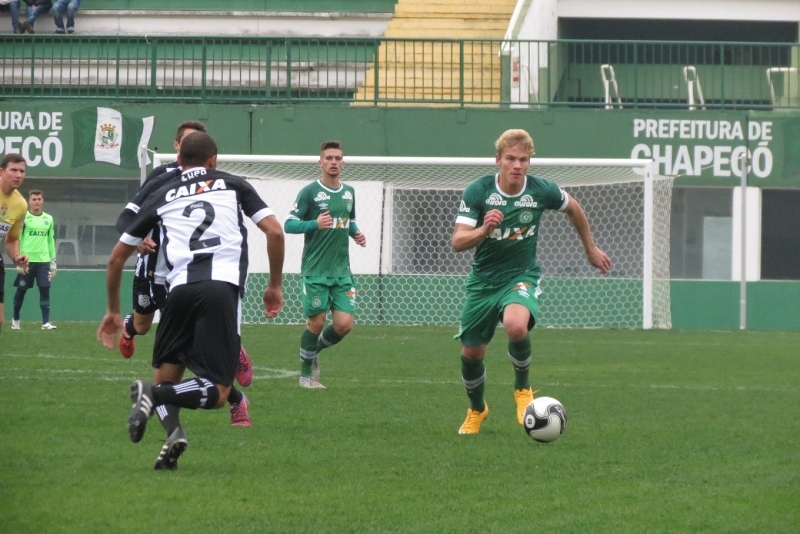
<point>673,431</point>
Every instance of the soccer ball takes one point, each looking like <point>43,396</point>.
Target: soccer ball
<point>545,419</point>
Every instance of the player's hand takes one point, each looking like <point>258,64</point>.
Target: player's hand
<point>273,302</point>
<point>492,220</point>
<point>599,259</point>
<point>360,239</point>
<point>324,221</point>
<point>108,333</point>
<point>21,260</point>
<point>147,246</point>
<point>53,269</point>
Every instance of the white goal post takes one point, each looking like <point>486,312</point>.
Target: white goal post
<point>408,273</point>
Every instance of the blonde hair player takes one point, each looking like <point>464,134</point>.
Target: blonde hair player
<point>499,217</point>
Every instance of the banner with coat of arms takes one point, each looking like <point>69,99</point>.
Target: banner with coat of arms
<point>105,134</point>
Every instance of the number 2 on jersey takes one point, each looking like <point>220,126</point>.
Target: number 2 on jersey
<point>195,243</point>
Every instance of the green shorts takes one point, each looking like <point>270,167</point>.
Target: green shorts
<point>484,306</point>
<point>322,294</point>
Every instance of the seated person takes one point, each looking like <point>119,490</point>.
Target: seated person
<point>35,8</point>
<point>71,7</point>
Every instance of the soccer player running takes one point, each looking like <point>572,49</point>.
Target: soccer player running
<point>499,217</point>
<point>12,214</point>
<point>205,241</point>
<point>149,289</point>
<point>38,243</point>
<point>325,211</point>
<point>149,293</point>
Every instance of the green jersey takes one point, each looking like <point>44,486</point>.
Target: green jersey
<point>38,238</point>
<point>510,249</point>
<point>325,252</point>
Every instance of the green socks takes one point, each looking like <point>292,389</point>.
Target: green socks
<point>311,344</point>
<point>473,373</point>
<point>308,351</point>
<point>519,352</point>
<point>327,338</point>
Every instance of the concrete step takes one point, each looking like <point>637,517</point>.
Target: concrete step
<point>409,33</point>
<point>495,24</point>
<point>432,10</point>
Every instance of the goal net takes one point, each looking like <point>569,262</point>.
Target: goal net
<point>408,274</point>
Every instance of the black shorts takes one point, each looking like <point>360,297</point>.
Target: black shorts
<point>199,329</point>
<point>148,296</point>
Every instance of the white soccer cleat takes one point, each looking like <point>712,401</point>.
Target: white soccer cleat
<point>309,382</point>
<point>15,324</point>
<point>48,326</point>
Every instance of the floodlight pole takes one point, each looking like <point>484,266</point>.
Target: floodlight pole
<point>743,239</point>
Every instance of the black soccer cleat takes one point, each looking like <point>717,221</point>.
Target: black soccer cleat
<point>142,397</point>
<point>173,448</point>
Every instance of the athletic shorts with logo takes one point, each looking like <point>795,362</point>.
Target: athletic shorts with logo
<point>148,296</point>
<point>484,306</point>
<point>324,293</point>
<point>38,272</point>
<point>199,329</point>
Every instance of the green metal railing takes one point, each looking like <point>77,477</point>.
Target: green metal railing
<point>369,71</point>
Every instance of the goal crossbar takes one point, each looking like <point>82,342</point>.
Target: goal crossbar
<point>160,159</point>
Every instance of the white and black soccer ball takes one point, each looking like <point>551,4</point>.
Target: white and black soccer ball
<point>545,419</point>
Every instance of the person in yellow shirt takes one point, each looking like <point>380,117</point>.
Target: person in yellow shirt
<point>12,214</point>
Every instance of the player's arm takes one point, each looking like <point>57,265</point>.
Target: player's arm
<point>297,221</point>
<point>108,333</point>
<point>580,222</point>
<point>467,236</point>
<point>254,207</point>
<point>273,295</point>
<point>472,224</point>
<point>13,245</point>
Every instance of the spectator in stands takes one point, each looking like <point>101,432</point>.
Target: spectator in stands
<point>71,7</point>
<point>35,8</point>
<point>13,8</point>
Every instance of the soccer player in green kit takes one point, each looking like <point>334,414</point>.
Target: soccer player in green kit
<point>38,243</point>
<point>325,211</point>
<point>499,217</point>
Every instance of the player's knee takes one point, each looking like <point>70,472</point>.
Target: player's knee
<point>316,323</point>
<point>343,329</point>
<point>516,330</point>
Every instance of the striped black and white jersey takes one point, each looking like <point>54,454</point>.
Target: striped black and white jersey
<point>203,236</point>
<point>148,265</point>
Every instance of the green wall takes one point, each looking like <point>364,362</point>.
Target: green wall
<point>80,296</point>
<point>74,296</point>
<point>699,146</point>
<point>389,131</point>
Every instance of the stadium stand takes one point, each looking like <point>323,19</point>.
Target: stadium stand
<point>440,19</point>
<point>368,18</point>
